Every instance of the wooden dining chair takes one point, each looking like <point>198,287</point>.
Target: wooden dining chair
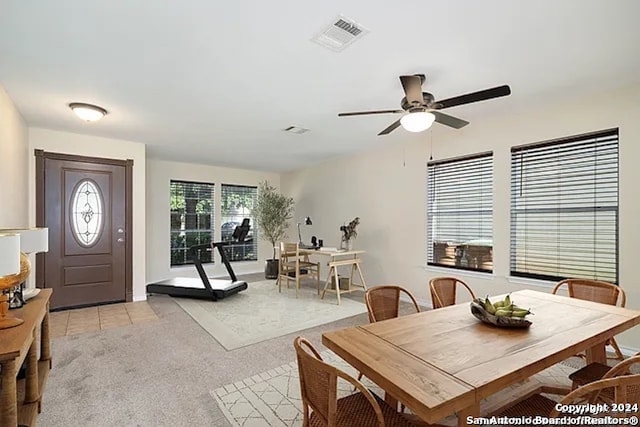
<point>599,371</point>
<point>596,291</point>
<point>383,302</point>
<point>443,291</point>
<point>320,402</point>
<point>293,266</point>
<point>624,389</point>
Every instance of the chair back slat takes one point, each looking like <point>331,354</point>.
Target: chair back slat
<point>383,302</point>
<point>443,291</point>
<point>288,249</point>
<point>593,290</point>
<point>626,389</point>
<point>626,367</point>
<point>318,381</point>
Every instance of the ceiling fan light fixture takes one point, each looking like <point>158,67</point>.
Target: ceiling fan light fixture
<point>88,112</point>
<point>417,121</point>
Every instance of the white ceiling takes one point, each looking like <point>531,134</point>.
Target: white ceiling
<point>216,82</point>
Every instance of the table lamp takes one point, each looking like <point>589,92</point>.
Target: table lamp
<point>32,240</point>
<point>307,221</point>
<point>9,267</point>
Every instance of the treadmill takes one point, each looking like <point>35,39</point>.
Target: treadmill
<point>205,287</point>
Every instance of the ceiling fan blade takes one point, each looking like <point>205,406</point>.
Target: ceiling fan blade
<point>412,86</point>
<point>448,120</point>
<point>482,95</point>
<point>393,126</point>
<point>362,113</point>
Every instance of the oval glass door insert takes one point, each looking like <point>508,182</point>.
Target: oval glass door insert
<point>87,212</point>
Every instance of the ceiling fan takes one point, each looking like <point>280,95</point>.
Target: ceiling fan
<point>422,109</point>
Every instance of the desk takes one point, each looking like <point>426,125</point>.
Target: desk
<point>20,400</point>
<point>445,361</point>
<point>340,259</point>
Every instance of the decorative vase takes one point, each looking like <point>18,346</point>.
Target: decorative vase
<point>346,244</point>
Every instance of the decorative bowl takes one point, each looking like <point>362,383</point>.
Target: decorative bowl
<point>503,322</point>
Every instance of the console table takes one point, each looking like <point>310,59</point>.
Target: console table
<point>20,399</point>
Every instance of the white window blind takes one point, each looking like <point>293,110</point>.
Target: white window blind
<point>460,213</point>
<point>237,203</point>
<point>191,220</point>
<point>564,208</point>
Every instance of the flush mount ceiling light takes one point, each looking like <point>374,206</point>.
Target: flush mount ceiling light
<point>417,121</point>
<point>88,112</point>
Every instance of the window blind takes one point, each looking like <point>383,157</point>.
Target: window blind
<point>564,208</point>
<point>191,220</point>
<point>237,203</point>
<point>460,213</point>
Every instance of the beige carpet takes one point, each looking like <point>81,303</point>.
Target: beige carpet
<point>261,313</point>
<point>272,398</point>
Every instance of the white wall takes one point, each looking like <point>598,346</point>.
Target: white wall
<point>386,187</point>
<point>159,175</point>
<point>13,166</point>
<point>86,145</point>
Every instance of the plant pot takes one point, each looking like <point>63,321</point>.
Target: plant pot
<point>271,267</point>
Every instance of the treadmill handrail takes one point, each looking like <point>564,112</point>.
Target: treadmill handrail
<point>223,255</point>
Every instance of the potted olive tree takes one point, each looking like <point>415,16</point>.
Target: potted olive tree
<point>272,212</point>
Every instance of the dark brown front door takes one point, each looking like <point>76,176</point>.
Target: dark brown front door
<point>85,208</point>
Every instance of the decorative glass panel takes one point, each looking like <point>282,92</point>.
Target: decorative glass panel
<point>87,212</point>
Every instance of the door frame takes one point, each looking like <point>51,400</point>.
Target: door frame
<point>41,156</point>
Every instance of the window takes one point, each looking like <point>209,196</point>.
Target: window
<point>191,220</point>
<point>460,212</point>
<point>564,208</point>
<point>237,203</point>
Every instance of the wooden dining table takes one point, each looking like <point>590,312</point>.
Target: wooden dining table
<point>445,361</point>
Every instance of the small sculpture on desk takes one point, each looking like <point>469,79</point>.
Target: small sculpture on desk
<point>16,297</point>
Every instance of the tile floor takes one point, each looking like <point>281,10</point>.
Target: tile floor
<point>90,319</point>
<point>272,398</point>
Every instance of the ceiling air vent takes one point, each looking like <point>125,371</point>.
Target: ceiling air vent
<point>295,129</point>
<point>339,34</point>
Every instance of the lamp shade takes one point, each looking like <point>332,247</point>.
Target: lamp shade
<point>88,112</point>
<point>32,240</point>
<point>9,254</point>
<point>417,121</point>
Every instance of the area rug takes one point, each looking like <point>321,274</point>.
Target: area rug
<point>272,398</point>
<point>261,313</point>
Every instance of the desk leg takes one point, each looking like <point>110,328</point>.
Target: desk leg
<point>326,284</point>
<point>364,285</point>
<point>9,394</point>
<point>597,353</point>
<point>470,411</point>
<point>335,273</point>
